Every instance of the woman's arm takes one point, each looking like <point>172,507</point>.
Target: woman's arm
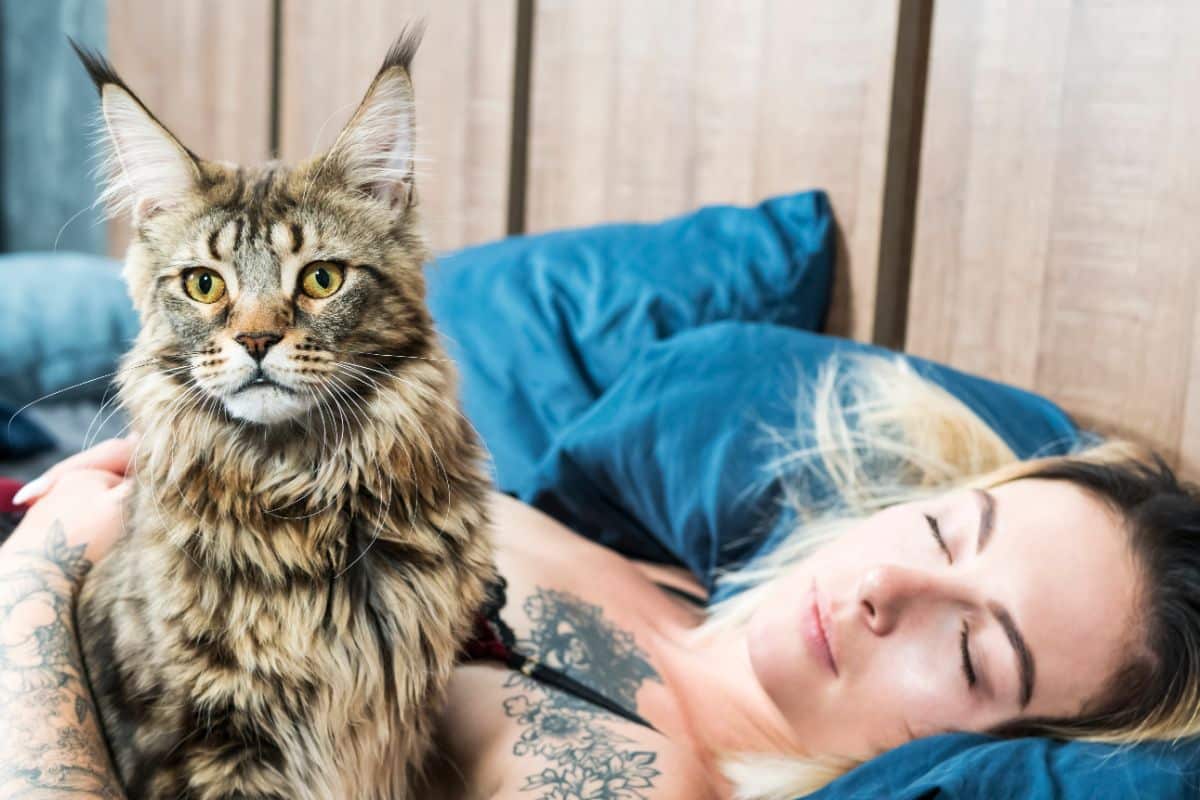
<point>49,736</point>
<point>50,739</point>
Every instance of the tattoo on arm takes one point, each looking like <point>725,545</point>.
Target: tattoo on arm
<point>589,760</point>
<point>50,740</point>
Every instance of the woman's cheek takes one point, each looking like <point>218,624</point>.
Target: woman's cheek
<point>921,693</point>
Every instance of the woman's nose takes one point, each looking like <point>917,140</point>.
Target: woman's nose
<point>888,592</point>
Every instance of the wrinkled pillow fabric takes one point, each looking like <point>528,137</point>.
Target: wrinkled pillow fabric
<point>974,767</point>
<point>668,464</point>
<point>542,325</point>
<point>65,320</point>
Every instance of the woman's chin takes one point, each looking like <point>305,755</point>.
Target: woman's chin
<point>784,668</point>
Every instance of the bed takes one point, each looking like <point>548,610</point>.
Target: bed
<point>1010,192</point>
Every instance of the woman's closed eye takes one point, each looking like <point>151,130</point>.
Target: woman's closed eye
<point>936,530</point>
<point>967,665</point>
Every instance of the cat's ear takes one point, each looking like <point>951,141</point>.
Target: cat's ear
<point>375,150</point>
<point>145,168</point>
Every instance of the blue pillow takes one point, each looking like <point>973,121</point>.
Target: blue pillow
<point>542,325</point>
<point>960,766</point>
<point>668,464</point>
<point>65,319</point>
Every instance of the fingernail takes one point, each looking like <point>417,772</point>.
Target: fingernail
<point>31,491</point>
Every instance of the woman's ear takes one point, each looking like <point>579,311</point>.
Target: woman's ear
<point>374,152</point>
<point>145,167</point>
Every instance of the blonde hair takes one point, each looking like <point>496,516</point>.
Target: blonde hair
<point>880,434</point>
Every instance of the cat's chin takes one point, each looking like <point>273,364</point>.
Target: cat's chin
<point>266,405</point>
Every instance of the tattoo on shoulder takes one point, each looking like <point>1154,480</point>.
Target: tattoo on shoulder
<point>50,743</point>
<point>589,760</point>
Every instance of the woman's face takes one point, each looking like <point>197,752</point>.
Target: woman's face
<point>1035,578</point>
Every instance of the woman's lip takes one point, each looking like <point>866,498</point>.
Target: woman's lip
<point>826,628</point>
<point>815,629</point>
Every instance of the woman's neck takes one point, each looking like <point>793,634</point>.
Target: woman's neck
<point>711,700</point>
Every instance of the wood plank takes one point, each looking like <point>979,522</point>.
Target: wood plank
<point>1056,246</point>
<point>644,110</point>
<point>1189,444</point>
<point>204,68</point>
<point>463,76</point>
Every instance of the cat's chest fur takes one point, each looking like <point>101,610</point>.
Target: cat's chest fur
<point>282,627</point>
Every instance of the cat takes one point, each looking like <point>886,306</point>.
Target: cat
<point>307,537</point>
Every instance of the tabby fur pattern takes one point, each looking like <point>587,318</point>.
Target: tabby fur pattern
<point>307,538</point>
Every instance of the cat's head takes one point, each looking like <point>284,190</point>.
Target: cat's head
<point>266,292</point>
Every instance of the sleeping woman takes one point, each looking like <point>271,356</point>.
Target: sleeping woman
<point>946,587</point>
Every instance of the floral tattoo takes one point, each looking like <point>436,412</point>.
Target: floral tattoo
<point>589,760</point>
<point>50,742</point>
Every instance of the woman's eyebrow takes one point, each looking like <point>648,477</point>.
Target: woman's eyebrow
<point>1024,658</point>
<point>1025,665</point>
<point>987,518</point>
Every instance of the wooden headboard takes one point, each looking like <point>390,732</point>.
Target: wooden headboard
<point>1015,183</point>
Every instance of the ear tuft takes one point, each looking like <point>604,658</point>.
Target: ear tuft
<point>97,66</point>
<point>375,150</point>
<point>143,165</point>
<point>404,49</point>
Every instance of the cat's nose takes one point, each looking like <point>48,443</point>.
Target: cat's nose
<point>257,344</point>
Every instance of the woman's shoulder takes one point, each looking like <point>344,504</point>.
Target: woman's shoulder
<point>530,543</point>
<point>584,612</point>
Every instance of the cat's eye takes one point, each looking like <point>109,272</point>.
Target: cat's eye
<point>320,279</point>
<point>203,285</point>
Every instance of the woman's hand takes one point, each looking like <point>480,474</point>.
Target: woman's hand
<point>83,496</point>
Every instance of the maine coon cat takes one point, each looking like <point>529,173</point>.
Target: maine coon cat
<point>307,539</point>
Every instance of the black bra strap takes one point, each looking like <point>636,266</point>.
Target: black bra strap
<point>532,668</point>
<point>686,596</point>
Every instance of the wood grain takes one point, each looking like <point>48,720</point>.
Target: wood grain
<point>1056,244</point>
<point>643,110</point>
<point>204,68</point>
<point>463,76</point>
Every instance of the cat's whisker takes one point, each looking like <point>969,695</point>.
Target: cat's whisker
<point>196,398</point>
<point>356,404</point>
<point>445,403</point>
<point>379,472</point>
<point>150,491</point>
<point>336,386</point>
<point>442,400</point>
<point>104,402</point>
<point>314,486</point>
<point>390,355</point>
<point>357,368</point>
<point>320,407</point>
<point>75,216</point>
<point>319,394</point>
<point>107,375</point>
<point>63,390</point>
<point>116,406</point>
